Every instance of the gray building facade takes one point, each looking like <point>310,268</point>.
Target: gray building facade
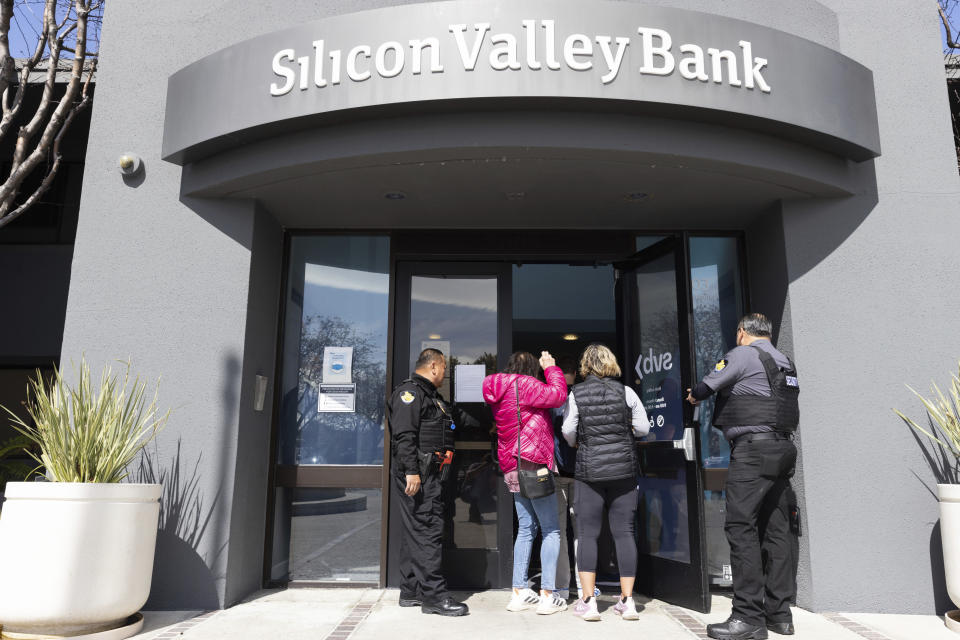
<point>815,135</point>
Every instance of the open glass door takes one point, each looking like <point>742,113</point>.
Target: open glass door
<point>654,326</point>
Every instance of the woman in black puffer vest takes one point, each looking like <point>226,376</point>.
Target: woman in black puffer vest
<point>602,417</point>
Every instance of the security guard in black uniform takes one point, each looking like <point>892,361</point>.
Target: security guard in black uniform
<point>422,426</point>
<point>758,411</point>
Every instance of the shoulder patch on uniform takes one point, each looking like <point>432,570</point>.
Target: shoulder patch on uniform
<point>407,397</point>
<point>721,365</point>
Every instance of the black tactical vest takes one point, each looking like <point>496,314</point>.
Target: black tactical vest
<point>435,420</point>
<point>606,450</point>
<point>780,410</point>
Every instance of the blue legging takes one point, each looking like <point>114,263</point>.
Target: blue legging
<point>534,515</point>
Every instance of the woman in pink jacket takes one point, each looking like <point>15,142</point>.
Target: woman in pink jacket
<point>501,391</point>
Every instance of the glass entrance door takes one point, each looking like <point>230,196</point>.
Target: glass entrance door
<point>653,302</point>
<point>462,309</point>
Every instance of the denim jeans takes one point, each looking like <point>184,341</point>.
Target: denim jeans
<point>534,515</point>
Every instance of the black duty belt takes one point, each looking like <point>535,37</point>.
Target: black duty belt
<point>766,435</point>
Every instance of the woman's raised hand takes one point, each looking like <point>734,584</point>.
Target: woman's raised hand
<point>546,360</point>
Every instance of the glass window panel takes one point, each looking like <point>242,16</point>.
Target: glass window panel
<point>458,316</point>
<point>545,319</point>
<point>717,292</point>
<point>334,534</point>
<point>647,241</point>
<point>663,512</point>
<point>717,304</point>
<point>337,297</point>
<point>471,501</point>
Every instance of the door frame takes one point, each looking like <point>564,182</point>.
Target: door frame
<point>404,270</point>
<point>455,246</point>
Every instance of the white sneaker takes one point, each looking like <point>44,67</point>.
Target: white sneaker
<point>550,603</point>
<point>523,599</point>
<point>626,609</point>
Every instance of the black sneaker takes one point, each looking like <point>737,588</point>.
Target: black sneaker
<point>445,607</point>
<point>734,629</point>
<point>781,628</point>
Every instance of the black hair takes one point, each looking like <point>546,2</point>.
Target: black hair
<point>428,357</point>
<point>756,325</point>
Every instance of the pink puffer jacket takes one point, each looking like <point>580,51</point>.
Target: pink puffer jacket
<point>536,399</point>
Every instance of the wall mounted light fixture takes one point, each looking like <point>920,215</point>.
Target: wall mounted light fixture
<point>129,164</point>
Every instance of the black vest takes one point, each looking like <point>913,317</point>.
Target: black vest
<point>607,450</point>
<point>780,410</point>
<point>435,420</point>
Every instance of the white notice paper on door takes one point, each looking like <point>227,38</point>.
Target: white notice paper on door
<point>469,382</point>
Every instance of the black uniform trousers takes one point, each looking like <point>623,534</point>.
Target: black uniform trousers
<point>762,547</point>
<point>421,518</point>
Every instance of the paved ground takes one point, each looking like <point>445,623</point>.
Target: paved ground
<point>369,614</point>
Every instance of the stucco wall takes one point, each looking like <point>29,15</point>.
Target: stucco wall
<point>871,310</point>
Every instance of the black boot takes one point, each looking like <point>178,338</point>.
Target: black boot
<point>446,606</point>
<point>782,628</point>
<point>407,600</point>
<point>734,629</point>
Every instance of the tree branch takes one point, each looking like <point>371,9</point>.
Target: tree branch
<point>946,26</point>
<point>25,163</point>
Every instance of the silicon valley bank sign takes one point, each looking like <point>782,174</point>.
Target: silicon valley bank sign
<point>535,46</point>
<point>453,56</point>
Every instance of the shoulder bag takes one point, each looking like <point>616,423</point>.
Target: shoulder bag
<point>536,480</point>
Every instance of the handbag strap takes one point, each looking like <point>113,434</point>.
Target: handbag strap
<point>516,388</point>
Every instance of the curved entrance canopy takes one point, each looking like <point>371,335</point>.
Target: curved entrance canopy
<point>455,57</point>
<point>521,170</point>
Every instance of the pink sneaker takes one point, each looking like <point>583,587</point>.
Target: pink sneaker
<point>587,610</point>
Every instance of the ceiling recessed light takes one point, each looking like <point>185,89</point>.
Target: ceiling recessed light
<point>636,196</point>
<point>570,337</point>
<point>395,195</point>
<point>435,336</point>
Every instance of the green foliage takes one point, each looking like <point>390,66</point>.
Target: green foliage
<point>943,428</point>
<point>12,468</point>
<point>86,433</point>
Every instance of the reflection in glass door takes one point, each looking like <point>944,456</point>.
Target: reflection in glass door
<point>327,504</point>
<point>459,309</point>
<point>652,301</point>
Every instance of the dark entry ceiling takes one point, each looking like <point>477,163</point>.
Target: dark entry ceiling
<point>555,171</point>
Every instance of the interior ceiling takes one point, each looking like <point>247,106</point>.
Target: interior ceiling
<point>519,192</point>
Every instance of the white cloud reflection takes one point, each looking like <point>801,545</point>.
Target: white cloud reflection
<point>350,279</point>
<point>474,293</point>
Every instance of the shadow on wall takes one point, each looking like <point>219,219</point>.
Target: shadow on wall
<point>184,519</point>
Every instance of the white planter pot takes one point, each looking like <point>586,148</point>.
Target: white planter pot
<point>949,495</point>
<point>75,558</point>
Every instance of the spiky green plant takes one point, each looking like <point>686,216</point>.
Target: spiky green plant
<point>943,428</point>
<point>87,433</point>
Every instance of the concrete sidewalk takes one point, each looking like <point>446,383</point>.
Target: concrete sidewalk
<point>368,614</point>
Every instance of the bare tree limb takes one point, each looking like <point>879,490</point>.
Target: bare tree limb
<point>57,156</point>
<point>40,138</point>
<point>946,26</point>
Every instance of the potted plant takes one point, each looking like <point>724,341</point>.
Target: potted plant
<point>76,553</point>
<point>943,429</point>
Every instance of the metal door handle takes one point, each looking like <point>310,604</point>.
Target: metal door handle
<point>688,444</point>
